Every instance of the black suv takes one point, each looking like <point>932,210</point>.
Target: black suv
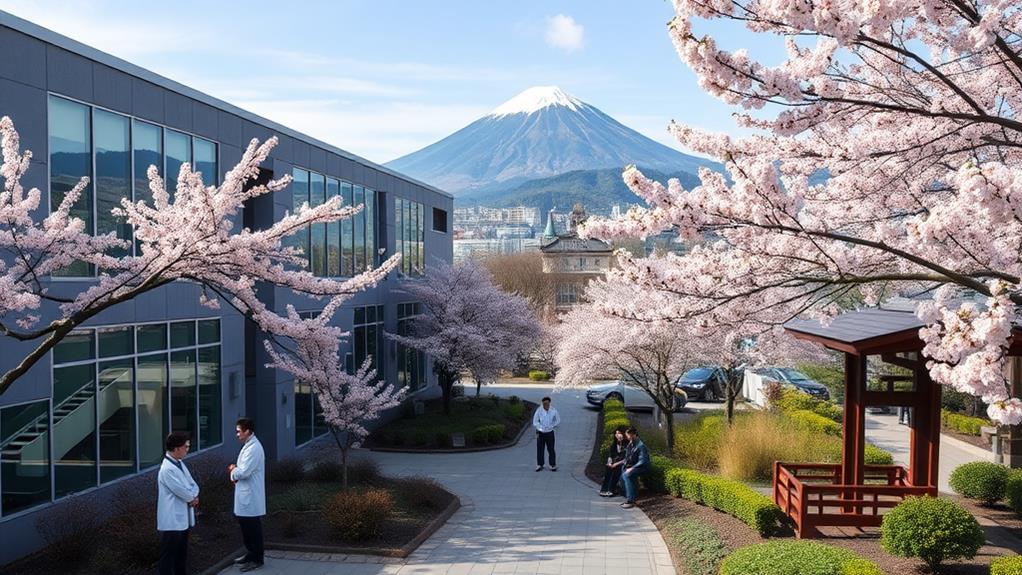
<point>704,383</point>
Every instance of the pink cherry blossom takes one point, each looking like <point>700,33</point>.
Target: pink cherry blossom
<point>884,160</point>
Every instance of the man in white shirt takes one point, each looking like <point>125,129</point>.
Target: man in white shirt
<point>545,420</point>
<point>175,507</point>
<point>249,477</point>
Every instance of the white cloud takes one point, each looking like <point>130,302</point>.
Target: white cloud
<point>564,32</point>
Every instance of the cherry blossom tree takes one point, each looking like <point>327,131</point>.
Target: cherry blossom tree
<point>467,324</point>
<point>349,401</point>
<point>883,160</point>
<point>191,236</point>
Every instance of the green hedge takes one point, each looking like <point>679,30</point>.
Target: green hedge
<point>485,434</point>
<point>1006,565</point>
<point>793,400</point>
<point>982,480</point>
<point>538,375</point>
<point>814,422</point>
<point>698,546</point>
<point>796,558</point>
<point>873,455</point>
<point>614,415</point>
<point>962,423</point>
<point>1013,490</point>
<point>732,497</point>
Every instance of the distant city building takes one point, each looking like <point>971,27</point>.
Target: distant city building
<point>572,260</point>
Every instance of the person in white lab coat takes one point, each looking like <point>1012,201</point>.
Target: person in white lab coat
<point>175,508</point>
<point>545,420</point>
<point>249,477</point>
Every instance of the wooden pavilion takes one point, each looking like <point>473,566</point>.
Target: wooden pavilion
<point>853,494</point>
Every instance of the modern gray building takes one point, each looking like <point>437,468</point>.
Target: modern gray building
<point>94,413</point>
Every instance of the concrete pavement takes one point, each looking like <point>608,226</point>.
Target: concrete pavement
<point>885,432</point>
<point>513,520</point>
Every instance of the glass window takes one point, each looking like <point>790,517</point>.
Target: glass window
<point>409,253</point>
<point>70,142</point>
<point>152,337</point>
<point>182,334</point>
<point>303,412</point>
<point>319,426</point>
<point>74,428</point>
<point>114,341</point>
<point>205,160</point>
<point>299,197</point>
<point>76,346</point>
<point>347,233</point>
<point>439,220</point>
<point>179,151</point>
<point>370,217</point>
<point>419,231</point>
<point>147,147</point>
<point>317,195</point>
<point>209,397</point>
<point>367,337</point>
<point>24,456</point>
<point>209,331</point>
<point>152,414</point>
<point>113,174</point>
<point>399,236</point>
<point>116,419</point>
<point>360,231</point>
<point>333,234</point>
<point>182,392</point>
<point>411,362</point>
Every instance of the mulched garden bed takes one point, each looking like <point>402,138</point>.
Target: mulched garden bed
<point>473,417</point>
<point>124,540</point>
<point>976,440</point>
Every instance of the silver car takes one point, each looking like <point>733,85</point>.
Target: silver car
<point>631,395</point>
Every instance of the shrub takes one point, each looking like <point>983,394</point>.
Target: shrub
<point>359,516</point>
<point>732,497</point>
<point>538,375</point>
<point>132,528</point>
<point>457,390</point>
<point>364,472</point>
<point>515,410</point>
<point>696,442</point>
<point>485,434</point>
<point>514,399</point>
<point>860,567</point>
<point>814,422</point>
<point>931,529</point>
<point>299,498</point>
<point>791,400</point>
<point>443,439</point>
<point>70,530</point>
<point>1013,490</point>
<point>210,473</point>
<point>327,470</point>
<point>496,432</point>
<point>656,479</point>
<point>962,423</point>
<point>422,492</point>
<point>287,470</point>
<point>700,548</point>
<point>873,455</point>
<point>1006,565</point>
<point>420,438</point>
<point>794,558</point>
<point>982,480</point>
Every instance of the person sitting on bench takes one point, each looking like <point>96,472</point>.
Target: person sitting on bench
<point>636,463</point>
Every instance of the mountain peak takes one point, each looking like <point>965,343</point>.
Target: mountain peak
<point>535,99</point>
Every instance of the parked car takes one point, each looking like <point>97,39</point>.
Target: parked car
<point>631,395</point>
<point>704,383</point>
<point>795,379</point>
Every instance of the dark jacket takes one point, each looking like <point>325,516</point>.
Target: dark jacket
<point>637,454</point>
<point>616,452</point>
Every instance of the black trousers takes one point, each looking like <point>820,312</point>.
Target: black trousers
<point>252,536</point>
<point>545,439</point>
<point>173,552</point>
<point>611,477</point>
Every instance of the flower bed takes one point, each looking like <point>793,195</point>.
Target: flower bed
<point>485,421</point>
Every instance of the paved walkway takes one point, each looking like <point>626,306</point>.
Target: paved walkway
<point>514,520</point>
<point>885,432</point>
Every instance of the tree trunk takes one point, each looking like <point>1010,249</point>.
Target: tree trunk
<point>344,467</point>
<point>479,387</point>
<point>446,385</point>
<point>669,414</point>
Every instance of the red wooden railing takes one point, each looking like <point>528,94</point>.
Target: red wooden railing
<point>812,495</point>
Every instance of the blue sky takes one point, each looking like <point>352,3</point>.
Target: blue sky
<point>385,78</point>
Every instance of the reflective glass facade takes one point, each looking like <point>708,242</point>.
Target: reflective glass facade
<point>408,224</point>
<point>336,249</point>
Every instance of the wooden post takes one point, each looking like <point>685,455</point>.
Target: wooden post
<point>1011,436</point>
<point>854,424</point>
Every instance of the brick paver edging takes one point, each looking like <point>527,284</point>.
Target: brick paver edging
<point>512,443</point>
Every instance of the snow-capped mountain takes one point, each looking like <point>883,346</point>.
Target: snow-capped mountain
<point>539,133</point>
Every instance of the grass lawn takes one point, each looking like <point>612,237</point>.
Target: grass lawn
<point>484,420</point>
